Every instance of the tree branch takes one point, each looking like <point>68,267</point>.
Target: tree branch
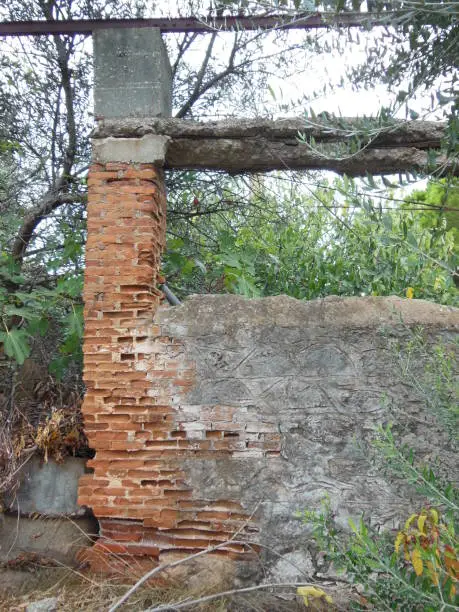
<point>184,45</point>
<point>50,202</point>
<point>56,194</point>
<point>198,89</point>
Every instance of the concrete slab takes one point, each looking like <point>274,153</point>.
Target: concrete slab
<point>150,149</point>
<point>54,538</point>
<point>49,488</point>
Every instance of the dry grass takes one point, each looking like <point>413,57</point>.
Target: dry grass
<point>76,591</point>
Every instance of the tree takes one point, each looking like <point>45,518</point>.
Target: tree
<point>45,89</point>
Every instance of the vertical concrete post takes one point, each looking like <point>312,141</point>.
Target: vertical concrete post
<point>132,74</point>
<point>126,235</point>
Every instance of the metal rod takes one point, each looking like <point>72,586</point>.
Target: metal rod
<point>170,296</point>
<point>194,24</point>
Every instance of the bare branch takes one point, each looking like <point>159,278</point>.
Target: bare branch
<point>199,89</point>
<point>50,202</point>
<point>184,45</point>
<point>56,194</point>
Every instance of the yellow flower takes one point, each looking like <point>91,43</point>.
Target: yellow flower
<point>410,293</point>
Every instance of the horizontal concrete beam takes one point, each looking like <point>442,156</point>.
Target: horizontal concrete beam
<point>421,134</point>
<point>262,155</point>
<point>239,146</point>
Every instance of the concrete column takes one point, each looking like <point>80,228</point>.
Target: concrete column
<point>132,74</point>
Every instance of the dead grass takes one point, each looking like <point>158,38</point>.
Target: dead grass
<point>79,592</point>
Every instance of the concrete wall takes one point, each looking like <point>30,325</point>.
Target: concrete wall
<point>254,412</point>
<point>225,415</point>
<point>48,488</point>
<point>42,517</point>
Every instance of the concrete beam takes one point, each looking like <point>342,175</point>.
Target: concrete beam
<point>132,74</point>
<point>259,145</point>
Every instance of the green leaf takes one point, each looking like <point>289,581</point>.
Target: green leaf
<point>58,366</point>
<point>353,526</point>
<point>16,345</point>
<point>230,259</point>
<point>188,267</point>
<point>272,92</point>
<point>24,313</point>
<point>75,321</point>
<point>38,326</point>
<point>387,222</point>
<point>411,238</point>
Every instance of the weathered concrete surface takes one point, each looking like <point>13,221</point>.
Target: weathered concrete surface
<point>315,373</point>
<point>49,488</point>
<point>132,74</point>
<point>244,145</point>
<point>148,149</point>
<point>57,538</point>
<point>418,134</point>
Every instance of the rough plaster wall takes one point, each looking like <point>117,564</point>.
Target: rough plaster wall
<point>284,390</point>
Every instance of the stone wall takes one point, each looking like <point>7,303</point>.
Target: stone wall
<point>236,414</point>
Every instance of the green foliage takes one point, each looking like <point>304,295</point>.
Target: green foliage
<point>26,311</point>
<point>443,198</point>
<point>337,241</point>
<point>15,343</point>
<point>438,385</point>
<point>423,42</point>
<point>423,578</point>
<point>418,569</point>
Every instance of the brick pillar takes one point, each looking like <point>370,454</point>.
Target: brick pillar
<point>137,377</point>
<point>126,235</point>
